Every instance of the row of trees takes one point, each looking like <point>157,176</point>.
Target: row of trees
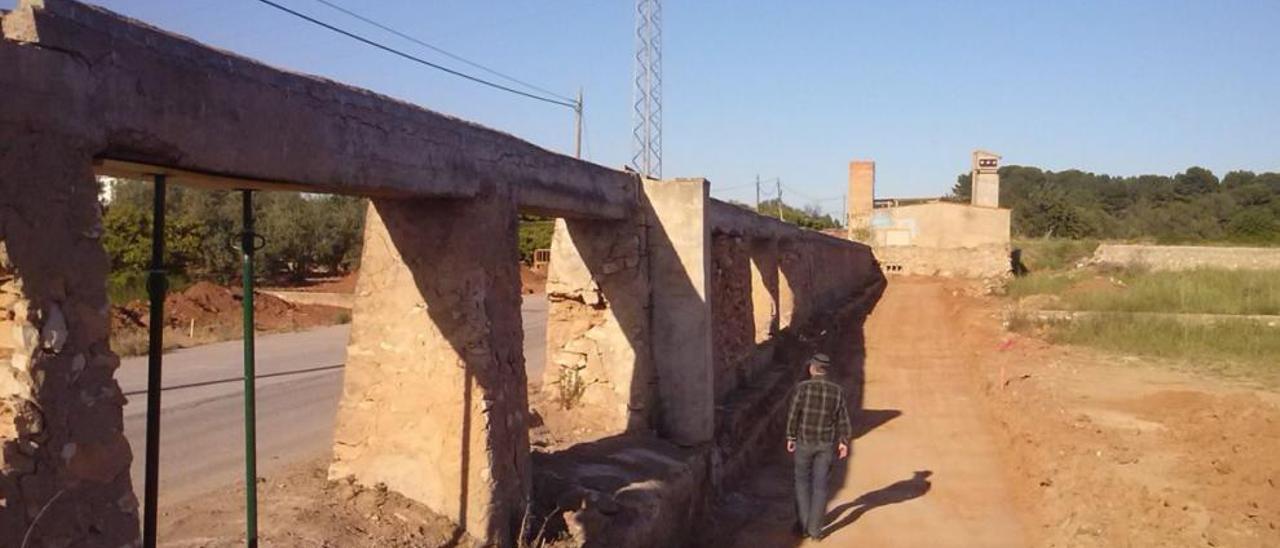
<point>1192,206</point>
<point>303,234</point>
<point>809,216</point>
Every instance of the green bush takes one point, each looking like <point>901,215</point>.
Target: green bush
<point>534,234</point>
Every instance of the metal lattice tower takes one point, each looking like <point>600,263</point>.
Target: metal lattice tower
<point>647,136</point>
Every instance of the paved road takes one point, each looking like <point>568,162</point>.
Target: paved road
<point>299,381</point>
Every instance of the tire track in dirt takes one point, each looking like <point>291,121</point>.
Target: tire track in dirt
<point>927,471</point>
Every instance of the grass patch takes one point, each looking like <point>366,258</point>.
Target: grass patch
<point>1239,346</point>
<point>1041,254</point>
<point>1205,291</point>
<point>1040,283</point>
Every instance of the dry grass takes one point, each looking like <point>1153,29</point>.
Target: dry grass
<point>1234,347</point>
<point>1204,291</point>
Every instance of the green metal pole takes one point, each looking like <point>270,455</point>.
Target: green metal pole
<point>247,243</point>
<point>157,286</point>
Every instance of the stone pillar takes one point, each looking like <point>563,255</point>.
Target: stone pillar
<point>861,198</point>
<point>679,241</point>
<point>598,365</point>
<point>62,445</point>
<point>434,402</point>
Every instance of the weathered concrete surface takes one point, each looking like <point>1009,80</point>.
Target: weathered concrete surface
<point>1188,257</point>
<point>61,434</point>
<point>679,240</point>
<point>985,262</point>
<point>434,402</point>
<point>132,92</point>
<point>943,225</point>
<point>599,367</point>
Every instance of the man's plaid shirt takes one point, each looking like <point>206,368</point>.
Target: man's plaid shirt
<point>818,413</point>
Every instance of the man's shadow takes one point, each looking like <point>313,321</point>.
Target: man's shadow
<point>895,493</point>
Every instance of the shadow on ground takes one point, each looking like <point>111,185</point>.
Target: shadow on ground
<point>761,511</point>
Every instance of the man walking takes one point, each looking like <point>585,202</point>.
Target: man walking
<point>817,427</point>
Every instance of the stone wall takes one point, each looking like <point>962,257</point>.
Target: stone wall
<point>434,403</point>
<point>1186,257</point>
<point>732,313</point>
<point>598,360</point>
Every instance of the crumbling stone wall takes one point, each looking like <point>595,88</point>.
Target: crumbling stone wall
<point>1187,257</point>
<point>434,400</point>
<point>62,445</point>
<point>732,311</point>
<point>599,369</point>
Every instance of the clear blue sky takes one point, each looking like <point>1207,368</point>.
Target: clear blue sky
<point>797,89</point>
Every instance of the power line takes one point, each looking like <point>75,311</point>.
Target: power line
<point>441,51</point>
<point>418,60</point>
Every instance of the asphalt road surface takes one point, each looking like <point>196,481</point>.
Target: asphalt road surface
<point>299,381</point>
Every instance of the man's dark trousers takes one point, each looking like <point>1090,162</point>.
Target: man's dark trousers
<point>813,464</point>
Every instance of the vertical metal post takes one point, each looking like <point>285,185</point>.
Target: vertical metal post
<point>577,127</point>
<point>778,181</point>
<point>247,245</point>
<point>157,286</point>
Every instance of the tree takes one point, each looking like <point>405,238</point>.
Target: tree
<point>1195,181</point>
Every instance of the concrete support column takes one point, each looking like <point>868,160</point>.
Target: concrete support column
<point>598,364</point>
<point>63,454</point>
<point>795,285</point>
<point>764,288</point>
<point>434,402</point>
<point>679,241</point>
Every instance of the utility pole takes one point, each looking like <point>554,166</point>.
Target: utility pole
<point>577,126</point>
<point>778,181</point>
<point>757,193</point>
<point>844,207</point>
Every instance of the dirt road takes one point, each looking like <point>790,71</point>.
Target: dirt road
<point>925,470</point>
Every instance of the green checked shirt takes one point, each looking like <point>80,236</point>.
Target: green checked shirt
<point>818,413</point>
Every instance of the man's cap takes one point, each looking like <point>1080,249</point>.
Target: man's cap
<point>820,361</point>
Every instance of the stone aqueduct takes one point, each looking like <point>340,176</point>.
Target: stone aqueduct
<point>673,301</point>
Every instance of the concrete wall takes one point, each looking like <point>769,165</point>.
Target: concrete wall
<point>986,262</point>
<point>1184,257</point>
<point>940,225</point>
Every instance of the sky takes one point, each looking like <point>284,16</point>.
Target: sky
<point>795,90</point>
